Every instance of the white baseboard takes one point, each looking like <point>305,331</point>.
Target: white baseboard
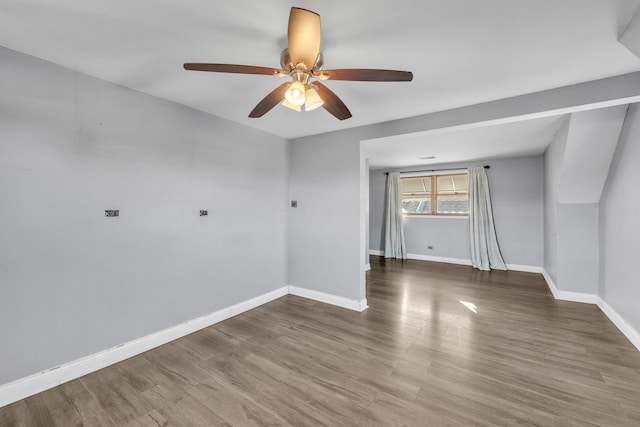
<point>552,286</point>
<point>421,257</point>
<point>462,261</point>
<point>36,383</point>
<point>568,295</point>
<point>432,258</point>
<point>613,315</point>
<point>577,297</point>
<point>351,304</point>
<point>525,268</point>
<point>616,319</point>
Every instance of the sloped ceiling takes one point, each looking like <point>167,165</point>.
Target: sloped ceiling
<point>591,143</point>
<point>461,52</point>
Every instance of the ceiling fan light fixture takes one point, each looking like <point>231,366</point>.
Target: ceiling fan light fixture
<point>295,93</point>
<point>292,106</point>
<point>312,99</point>
<point>302,61</point>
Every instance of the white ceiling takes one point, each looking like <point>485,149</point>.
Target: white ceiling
<point>461,52</point>
<point>523,138</point>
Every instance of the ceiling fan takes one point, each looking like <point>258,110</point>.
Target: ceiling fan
<point>303,62</point>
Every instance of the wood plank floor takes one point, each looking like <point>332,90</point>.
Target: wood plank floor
<point>418,356</point>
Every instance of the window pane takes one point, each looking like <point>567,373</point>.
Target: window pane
<point>461,183</point>
<point>445,185</point>
<point>415,186</point>
<point>453,194</point>
<point>416,195</point>
<point>453,204</point>
<point>452,184</point>
<point>420,205</point>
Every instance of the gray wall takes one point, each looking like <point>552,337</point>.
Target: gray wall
<point>553,160</point>
<point>620,225</point>
<point>324,230</point>
<point>74,282</point>
<point>578,248</point>
<point>577,163</point>
<point>517,199</point>
<point>377,195</point>
<point>365,193</point>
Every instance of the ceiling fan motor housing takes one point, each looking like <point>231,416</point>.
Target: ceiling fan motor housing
<point>286,64</point>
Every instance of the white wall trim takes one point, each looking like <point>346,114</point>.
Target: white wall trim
<point>36,383</point>
<point>421,257</point>
<point>351,304</point>
<point>567,295</point>
<point>432,258</point>
<point>618,320</point>
<point>552,286</point>
<point>577,297</point>
<point>525,268</point>
<point>461,261</point>
<point>367,267</point>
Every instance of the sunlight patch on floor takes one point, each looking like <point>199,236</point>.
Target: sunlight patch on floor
<point>471,306</point>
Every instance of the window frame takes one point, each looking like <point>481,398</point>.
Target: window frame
<point>433,178</point>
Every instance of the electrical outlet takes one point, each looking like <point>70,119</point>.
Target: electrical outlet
<point>294,203</point>
<point>429,247</point>
<point>111,213</point>
<point>204,213</point>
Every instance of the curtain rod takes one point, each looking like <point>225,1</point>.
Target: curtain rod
<point>436,170</point>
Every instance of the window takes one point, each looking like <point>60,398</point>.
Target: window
<point>435,195</point>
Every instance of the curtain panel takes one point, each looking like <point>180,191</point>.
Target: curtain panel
<point>485,252</point>
<point>394,245</point>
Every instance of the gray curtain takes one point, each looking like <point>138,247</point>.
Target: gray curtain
<point>394,246</point>
<point>485,252</point>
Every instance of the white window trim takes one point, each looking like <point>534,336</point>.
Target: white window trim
<point>434,173</point>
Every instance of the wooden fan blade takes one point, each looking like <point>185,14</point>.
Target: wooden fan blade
<point>303,36</point>
<point>232,68</point>
<point>332,103</point>
<point>269,101</point>
<point>366,75</point>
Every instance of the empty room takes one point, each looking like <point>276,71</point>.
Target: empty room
<point>319,213</point>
